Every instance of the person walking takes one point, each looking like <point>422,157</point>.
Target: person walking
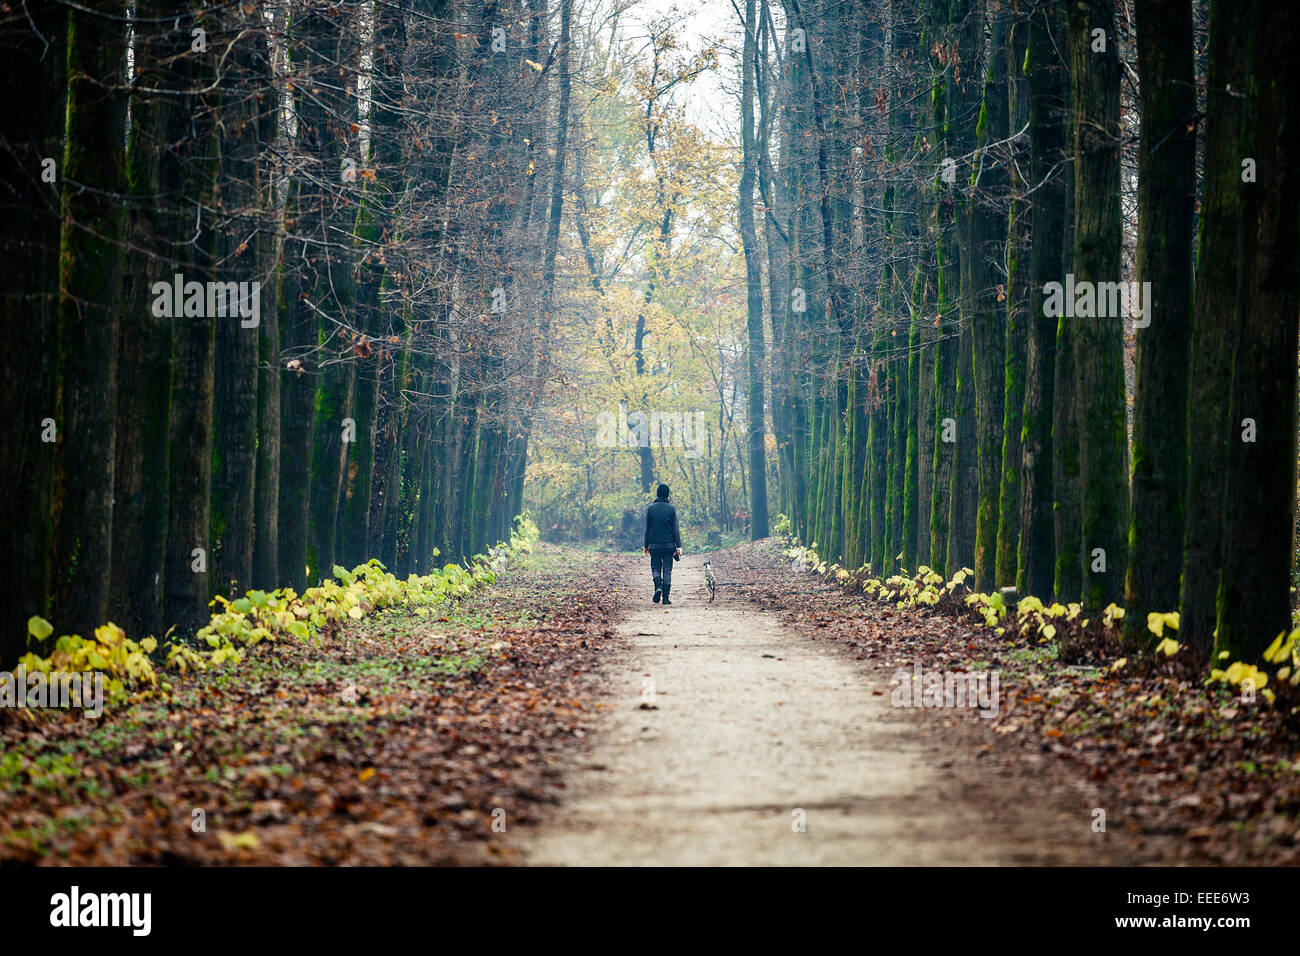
<point>663,542</point>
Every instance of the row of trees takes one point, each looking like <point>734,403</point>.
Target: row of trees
<point>946,196</point>
<point>651,386</point>
<point>278,288</point>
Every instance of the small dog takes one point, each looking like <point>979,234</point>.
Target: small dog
<point>710,581</point>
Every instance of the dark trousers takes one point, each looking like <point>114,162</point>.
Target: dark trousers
<point>661,566</point>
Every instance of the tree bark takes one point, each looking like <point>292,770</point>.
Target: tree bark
<point>1259,507</point>
<point>94,166</point>
<point>1018,317</point>
<point>1099,341</point>
<point>755,354</point>
<point>1046,88</point>
<point>1166,204</point>
<point>988,244</point>
<point>32,113</point>
<point>236,247</point>
<point>1210,428</point>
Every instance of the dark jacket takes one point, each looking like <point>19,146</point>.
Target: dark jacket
<point>661,526</point>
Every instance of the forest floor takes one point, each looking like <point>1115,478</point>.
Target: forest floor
<point>404,738</point>
<point>747,732</point>
<point>733,739</point>
<point>777,698</point>
<point>559,717</point>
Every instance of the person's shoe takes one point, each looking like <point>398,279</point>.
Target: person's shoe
<point>666,601</point>
<point>657,595</point>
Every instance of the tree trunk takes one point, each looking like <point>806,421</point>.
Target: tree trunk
<point>32,114</point>
<point>89,262</point>
<point>1018,317</point>
<point>155,231</point>
<point>1166,201</point>
<point>1099,341</point>
<point>1046,89</point>
<point>1259,507</point>
<point>266,484</point>
<point>235,399</point>
<point>756,438</point>
<point>988,243</point>
<point>1210,426</point>
<point>326,127</point>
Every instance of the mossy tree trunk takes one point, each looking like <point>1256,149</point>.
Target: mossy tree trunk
<point>328,129</point>
<point>155,234</point>
<point>1210,428</point>
<point>756,351</point>
<point>1259,507</point>
<point>236,259</point>
<point>1046,86</point>
<point>989,291</point>
<point>1018,318</point>
<point>94,168</point>
<point>1166,205</point>
<point>1099,393</point>
<point>189,547</point>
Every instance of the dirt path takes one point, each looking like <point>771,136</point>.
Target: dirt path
<point>750,723</point>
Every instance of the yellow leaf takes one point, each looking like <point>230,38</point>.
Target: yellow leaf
<point>239,841</point>
<point>366,774</point>
<point>1156,622</point>
<point>110,634</point>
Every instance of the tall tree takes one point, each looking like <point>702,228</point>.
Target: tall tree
<point>988,287</point>
<point>947,285</point>
<point>1166,200</point>
<point>1259,506</point>
<point>1098,356</point>
<point>753,282</point>
<point>373,230</point>
<point>905,235</point>
<point>1018,318</point>
<point>155,235</point>
<point>236,259</point>
<point>1046,84</point>
<point>189,492</point>
<point>316,387</point>
<point>963,130</point>
<point>1210,429</point>
<point>334,293</point>
<point>32,112</point>
<point>94,169</point>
